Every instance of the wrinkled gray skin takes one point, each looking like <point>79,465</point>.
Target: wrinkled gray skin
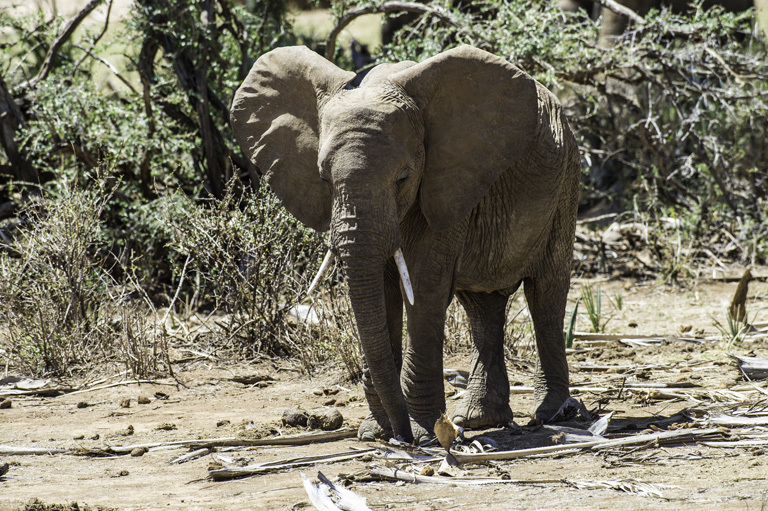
<point>466,163</point>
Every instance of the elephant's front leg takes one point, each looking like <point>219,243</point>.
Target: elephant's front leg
<point>422,374</point>
<point>376,424</point>
<point>487,400</point>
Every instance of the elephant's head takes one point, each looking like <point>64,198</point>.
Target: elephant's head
<point>355,160</point>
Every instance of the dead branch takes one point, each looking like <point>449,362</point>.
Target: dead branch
<point>118,384</point>
<point>88,53</point>
<point>53,51</point>
<point>664,437</point>
<point>98,37</point>
<point>261,468</point>
<point>616,7</point>
<point>193,455</point>
<point>8,450</point>
<point>400,475</point>
<point>299,439</point>
<point>385,8</point>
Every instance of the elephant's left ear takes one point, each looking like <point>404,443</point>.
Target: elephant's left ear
<point>481,116</point>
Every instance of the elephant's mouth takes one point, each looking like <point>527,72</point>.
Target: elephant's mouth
<point>402,268</point>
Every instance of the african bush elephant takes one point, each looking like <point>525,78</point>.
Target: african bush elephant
<point>464,167</point>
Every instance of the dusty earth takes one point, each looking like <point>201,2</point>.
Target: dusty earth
<point>210,404</point>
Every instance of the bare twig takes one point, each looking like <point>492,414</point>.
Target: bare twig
<point>385,8</point>
<point>88,53</point>
<point>98,37</point>
<point>53,51</point>
<point>621,9</point>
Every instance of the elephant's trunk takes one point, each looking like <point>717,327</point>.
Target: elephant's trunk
<point>364,251</point>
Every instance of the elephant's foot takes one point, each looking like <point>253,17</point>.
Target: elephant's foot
<point>371,429</point>
<point>548,404</point>
<point>423,430</point>
<point>475,414</point>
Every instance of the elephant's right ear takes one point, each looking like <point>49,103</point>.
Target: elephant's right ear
<point>275,120</point>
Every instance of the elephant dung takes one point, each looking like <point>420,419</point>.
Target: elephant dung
<point>326,419</point>
<point>295,417</point>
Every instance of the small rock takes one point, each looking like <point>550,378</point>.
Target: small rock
<point>224,422</point>
<point>5,403</point>
<point>3,469</point>
<point>329,402</point>
<point>326,419</point>
<point>125,403</point>
<point>632,324</point>
<point>161,395</point>
<point>122,473</point>
<point>295,417</point>
<point>139,451</point>
<point>83,404</point>
<point>330,392</point>
<point>95,437</point>
<point>143,400</point>
<point>428,471</point>
<point>78,437</point>
<point>166,426</point>
<point>317,391</point>
<point>128,431</point>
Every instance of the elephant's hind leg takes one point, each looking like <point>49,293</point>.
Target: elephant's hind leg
<point>546,295</point>
<point>487,401</point>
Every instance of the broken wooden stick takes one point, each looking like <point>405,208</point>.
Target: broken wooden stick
<point>232,472</point>
<point>394,474</point>
<point>663,437</point>
<point>204,443</point>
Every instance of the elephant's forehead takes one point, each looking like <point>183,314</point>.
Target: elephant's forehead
<point>367,110</point>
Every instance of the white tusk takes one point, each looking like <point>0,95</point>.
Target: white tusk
<point>327,261</point>
<point>403,269</point>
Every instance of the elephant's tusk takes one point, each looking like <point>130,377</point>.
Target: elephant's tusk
<point>403,269</point>
<point>327,261</point>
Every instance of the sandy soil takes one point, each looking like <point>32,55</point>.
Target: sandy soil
<point>210,404</point>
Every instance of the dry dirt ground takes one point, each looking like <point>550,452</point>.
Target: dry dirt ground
<point>210,404</point>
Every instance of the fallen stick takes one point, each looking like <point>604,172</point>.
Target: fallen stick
<point>299,439</point>
<point>663,437</point>
<point>736,443</point>
<point>9,450</point>
<point>198,453</point>
<point>119,384</point>
<point>583,336</point>
<point>399,475</point>
<point>260,468</point>
<point>209,443</point>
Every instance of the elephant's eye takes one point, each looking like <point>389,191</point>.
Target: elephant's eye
<point>403,178</point>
